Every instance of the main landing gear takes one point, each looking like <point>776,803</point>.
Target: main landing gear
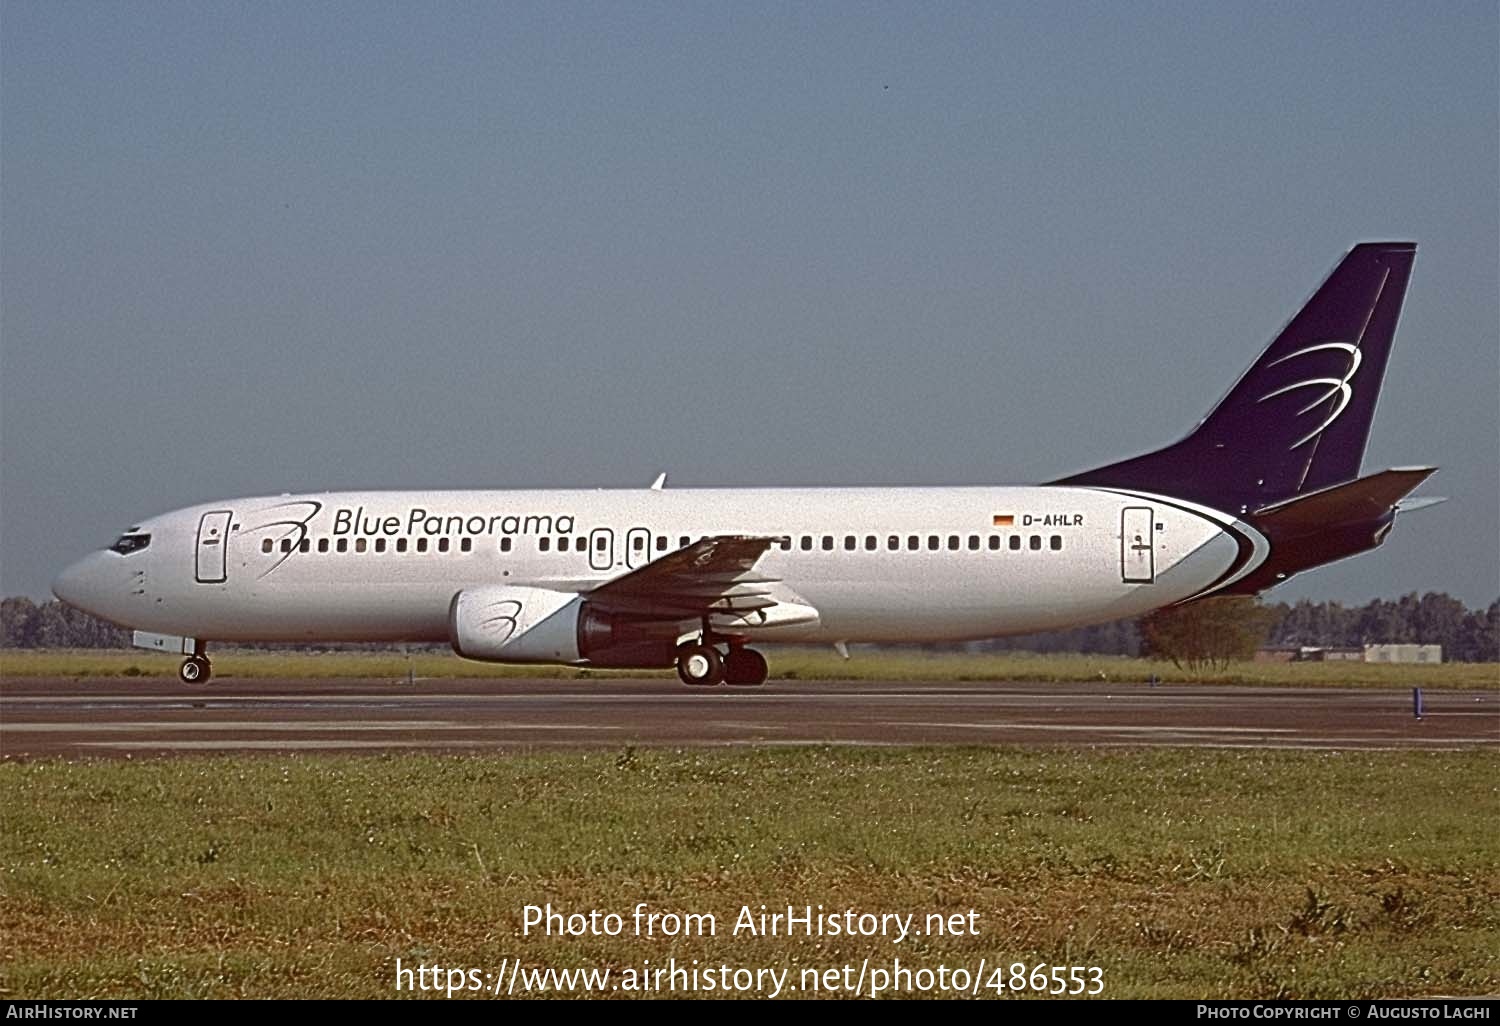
<point>700,664</point>
<point>195,669</point>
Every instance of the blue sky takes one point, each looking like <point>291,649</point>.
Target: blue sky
<point>251,248</point>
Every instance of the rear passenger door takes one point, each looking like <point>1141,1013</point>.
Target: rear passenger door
<point>1138,545</point>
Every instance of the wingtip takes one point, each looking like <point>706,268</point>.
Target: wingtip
<point>1421,502</point>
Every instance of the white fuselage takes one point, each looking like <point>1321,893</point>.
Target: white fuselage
<point>877,564</point>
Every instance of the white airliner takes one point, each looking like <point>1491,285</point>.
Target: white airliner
<point>1266,486</point>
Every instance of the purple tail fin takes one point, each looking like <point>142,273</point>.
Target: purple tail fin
<point>1298,420</point>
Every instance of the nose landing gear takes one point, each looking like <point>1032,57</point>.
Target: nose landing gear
<point>195,669</point>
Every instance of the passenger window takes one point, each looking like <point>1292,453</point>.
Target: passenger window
<point>681,544</point>
<point>1015,542</point>
<point>360,544</point>
<point>562,544</point>
<point>828,543</point>
<point>505,544</point>
<point>1036,543</point>
<point>323,544</point>
<point>869,543</point>
<point>893,543</point>
<point>379,544</point>
<point>286,545</point>
<point>343,544</point>
<point>305,545</point>
<point>973,543</point>
<point>953,542</point>
<point>544,543</point>
<point>467,544</point>
<point>849,543</point>
<point>421,545</point>
<point>267,545</point>
<point>806,542</point>
<point>1057,543</point>
<point>442,544</point>
<point>400,544</point>
<point>913,542</point>
<point>994,542</point>
<point>934,542</point>
<point>661,543</point>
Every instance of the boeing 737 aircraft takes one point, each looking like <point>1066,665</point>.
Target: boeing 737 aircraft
<point>1265,487</point>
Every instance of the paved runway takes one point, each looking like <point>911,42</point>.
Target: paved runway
<point>112,717</point>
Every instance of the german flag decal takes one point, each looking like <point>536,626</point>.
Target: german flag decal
<point>1004,520</point>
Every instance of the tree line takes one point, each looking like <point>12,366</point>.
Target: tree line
<point>1467,635</point>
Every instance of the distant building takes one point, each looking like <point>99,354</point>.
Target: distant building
<point>1349,654</point>
<point>1341,655</point>
<point>1403,653</point>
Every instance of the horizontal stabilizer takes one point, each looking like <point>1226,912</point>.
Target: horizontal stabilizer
<point>1368,498</point>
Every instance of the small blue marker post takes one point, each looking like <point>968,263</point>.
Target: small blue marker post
<point>1416,702</point>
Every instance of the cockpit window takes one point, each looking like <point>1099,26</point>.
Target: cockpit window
<point>129,543</point>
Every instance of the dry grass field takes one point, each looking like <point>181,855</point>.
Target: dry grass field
<point>1180,873</point>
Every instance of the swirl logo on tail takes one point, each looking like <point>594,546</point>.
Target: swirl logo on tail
<point>1338,388</point>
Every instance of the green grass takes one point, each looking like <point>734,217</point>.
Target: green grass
<point>786,664</point>
<point>1180,873</point>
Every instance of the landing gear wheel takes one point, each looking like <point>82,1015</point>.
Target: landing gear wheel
<point>194,670</point>
<point>700,666</point>
<point>746,667</point>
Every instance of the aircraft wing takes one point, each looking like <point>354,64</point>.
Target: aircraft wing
<point>715,577</point>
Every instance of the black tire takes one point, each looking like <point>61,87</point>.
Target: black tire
<point>745,667</point>
<point>700,666</point>
<point>194,670</point>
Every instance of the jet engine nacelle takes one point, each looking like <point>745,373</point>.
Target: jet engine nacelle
<point>513,624</point>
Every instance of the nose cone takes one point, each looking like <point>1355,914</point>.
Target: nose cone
<point>88,584</point>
